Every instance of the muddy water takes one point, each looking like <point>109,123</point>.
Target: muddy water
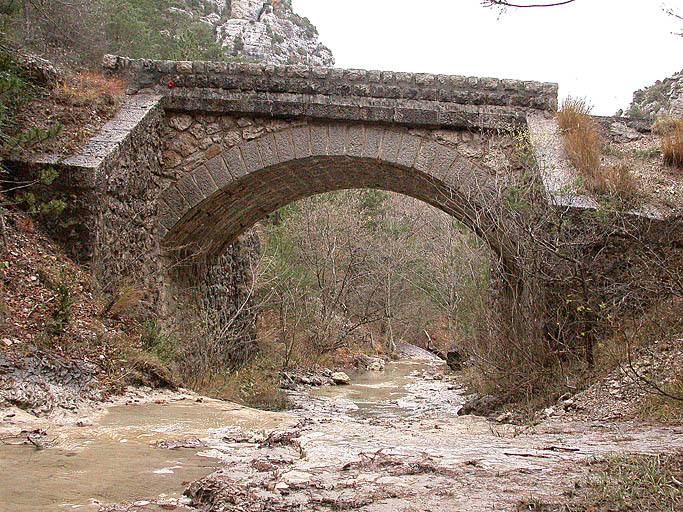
<point>115,459</point>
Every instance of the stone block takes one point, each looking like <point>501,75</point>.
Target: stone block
<point>416,117</point>
<point>250,156</point>
<point>184,67</point>
<point>443,162</point>
<point>390,146</point>
<point>233,160</point>
<point>174,200</point>
<point>337,139</point>
<point>373,142</point>
<point>426,156</point>
<point>356,140</point>
<point>302,142</point>
<point>190,191</point>
<point>407,154</point>
<point>219,171</point>
<point>266,146</point>
<point>167,215</point>
<point>318,140</point>
<point>205,182</point>
<point>284,145</point>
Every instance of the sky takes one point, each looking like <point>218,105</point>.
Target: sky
<point>601,50</point>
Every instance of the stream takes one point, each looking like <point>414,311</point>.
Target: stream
<point>389,441</point>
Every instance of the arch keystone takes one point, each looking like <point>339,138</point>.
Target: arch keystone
<point>337,139</point>
<point>356,140</point>
<point>319,140</point>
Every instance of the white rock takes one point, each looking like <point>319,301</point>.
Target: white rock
<point>340,378</point>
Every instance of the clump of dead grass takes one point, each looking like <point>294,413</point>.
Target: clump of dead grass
<point>90,88</point>
<point>582,141</point>
<point>672,145</point>
<point>583,145</point>
<point>666,408</point>
<point>665,125</point>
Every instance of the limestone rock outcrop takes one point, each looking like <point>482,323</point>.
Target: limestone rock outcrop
<point>663,98</point>
<point>266,31</point>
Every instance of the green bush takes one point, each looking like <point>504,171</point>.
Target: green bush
<point>64,301</point>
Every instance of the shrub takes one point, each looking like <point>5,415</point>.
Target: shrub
<point>90,88</point>
<point>64,301</point>
<point>157,342</point>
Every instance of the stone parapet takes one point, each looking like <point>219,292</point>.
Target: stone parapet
<point>176,76</point>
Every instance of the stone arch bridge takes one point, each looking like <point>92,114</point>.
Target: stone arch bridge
<point>202,150</point>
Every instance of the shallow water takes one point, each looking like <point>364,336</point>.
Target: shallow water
<point>401,390</point>
<point>115,460</point>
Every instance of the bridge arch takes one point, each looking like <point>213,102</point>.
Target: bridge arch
<point>207,208</point>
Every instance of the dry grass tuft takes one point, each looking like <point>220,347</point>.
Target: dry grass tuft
<point>672,146</point>
<point>583,146</point>
<point>620,182</point>
<point>582,141</point>
<point>127,300</point>
<point>90,88</point>
<point>634,483</point>
<point>666,125</point>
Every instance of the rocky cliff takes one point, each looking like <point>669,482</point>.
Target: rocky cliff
<point>261,30</point>
<point>663,98</point>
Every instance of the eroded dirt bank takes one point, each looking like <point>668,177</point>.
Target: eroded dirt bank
<point>391,441</point>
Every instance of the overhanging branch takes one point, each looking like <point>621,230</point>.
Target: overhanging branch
<point>504,3</point>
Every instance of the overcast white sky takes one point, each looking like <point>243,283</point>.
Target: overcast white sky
<point>602,50</point>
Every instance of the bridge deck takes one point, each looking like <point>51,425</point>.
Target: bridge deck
<point>417,99</point>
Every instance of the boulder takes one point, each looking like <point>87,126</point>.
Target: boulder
<point>340,378</point>
<point>620,132</point>
<point>369,363</point>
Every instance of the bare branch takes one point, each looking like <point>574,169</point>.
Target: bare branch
<point>504,3</point>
